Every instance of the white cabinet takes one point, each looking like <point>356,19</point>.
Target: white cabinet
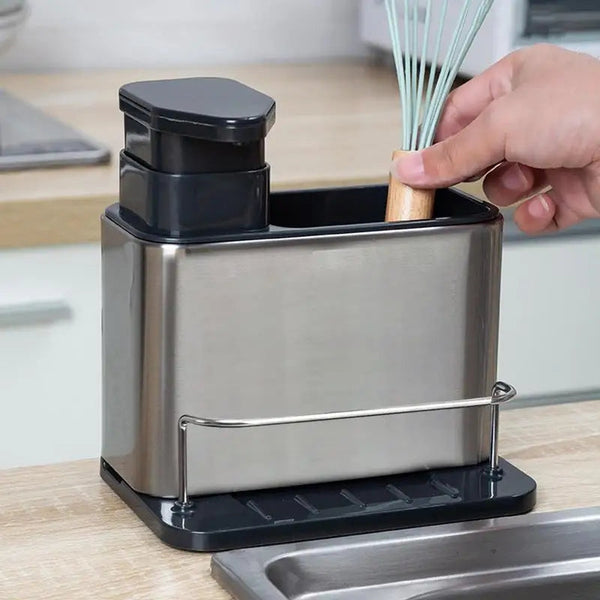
<point>550,316</point>
<point>50,368</point>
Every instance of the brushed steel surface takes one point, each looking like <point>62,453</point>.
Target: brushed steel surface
<point>502,393</point>
<point>552,556</point>
<point>291,326</point>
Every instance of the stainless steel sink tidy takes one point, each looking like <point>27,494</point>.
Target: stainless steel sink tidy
<point>288,366</point>
<point>554,556</point>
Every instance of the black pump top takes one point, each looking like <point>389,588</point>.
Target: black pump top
<point>209,108</point>
<point>194,157</point>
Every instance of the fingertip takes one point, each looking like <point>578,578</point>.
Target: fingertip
<point>508,183</point>
<point>536,215</point>
<point>541,207</point>
<point>518,178</point>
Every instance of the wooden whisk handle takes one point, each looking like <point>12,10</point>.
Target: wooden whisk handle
<point>405,203</point>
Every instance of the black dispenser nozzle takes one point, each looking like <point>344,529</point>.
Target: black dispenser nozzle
<point>194,160</point>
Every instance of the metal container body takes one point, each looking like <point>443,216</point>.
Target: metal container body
<point>291,326</point>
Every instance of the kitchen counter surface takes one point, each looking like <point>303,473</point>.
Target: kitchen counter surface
<point>65,534</point>
<point>337,124</point>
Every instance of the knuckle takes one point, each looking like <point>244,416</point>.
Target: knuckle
<point>517,57</point>
<point>451,121</point>
<point>500,86</point>
<point>497,122</point>
<point>448,161</point>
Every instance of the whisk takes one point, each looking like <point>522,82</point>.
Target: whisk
<point>422,98</point>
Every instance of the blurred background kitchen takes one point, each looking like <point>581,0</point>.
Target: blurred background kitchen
<point>326,62</point>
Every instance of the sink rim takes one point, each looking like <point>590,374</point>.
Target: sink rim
<point>245,573</point>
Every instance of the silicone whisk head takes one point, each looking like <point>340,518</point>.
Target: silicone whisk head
<point>418,29</point>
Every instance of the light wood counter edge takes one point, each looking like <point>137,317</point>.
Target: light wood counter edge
<point>30,223</point>
<point>62,221</point>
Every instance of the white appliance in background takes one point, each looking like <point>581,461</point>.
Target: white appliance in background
<point>511,24</point>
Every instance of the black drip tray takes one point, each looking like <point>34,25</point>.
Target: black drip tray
<point>239,520</point>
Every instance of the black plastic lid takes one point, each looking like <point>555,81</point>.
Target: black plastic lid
<point>208,108</point>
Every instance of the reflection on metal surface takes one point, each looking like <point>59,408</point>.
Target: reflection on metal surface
<point>554,556</point>
<point>225,330</point>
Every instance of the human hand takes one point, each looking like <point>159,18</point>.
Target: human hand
<point>535,114</point>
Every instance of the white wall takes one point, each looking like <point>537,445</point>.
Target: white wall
<point>72,34</point>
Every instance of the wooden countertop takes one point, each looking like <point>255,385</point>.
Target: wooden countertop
<point>337,124</point>
<point>65,534</point>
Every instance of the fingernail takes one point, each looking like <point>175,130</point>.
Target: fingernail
<point>409,168</point>
<point>514,179</point>
<point>539,207</point>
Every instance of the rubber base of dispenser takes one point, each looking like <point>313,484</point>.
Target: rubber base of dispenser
<point>308,512</point>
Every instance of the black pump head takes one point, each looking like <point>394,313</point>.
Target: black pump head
<point>208,108</point>
<point>194,158</point>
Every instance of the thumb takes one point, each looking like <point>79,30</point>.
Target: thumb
<point>474,149</point>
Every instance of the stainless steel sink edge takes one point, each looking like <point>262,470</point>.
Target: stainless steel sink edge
<point>248,574</point>
<point>481,580</point>
<point>246,582</point>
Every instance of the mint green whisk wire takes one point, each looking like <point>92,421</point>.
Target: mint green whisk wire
<point>424,46</point>
<point>407,66</point>
<point>434,61</point>
<point>460,51</point>
<point>392,17</point>
<point>420,116</point>
<point>438,99</point>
